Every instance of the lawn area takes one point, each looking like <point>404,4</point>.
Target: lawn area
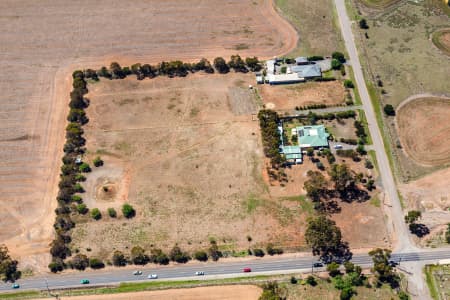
<point>438,281</point>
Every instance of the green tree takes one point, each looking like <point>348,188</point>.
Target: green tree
<point>214,251</point>
<point>85,168</point>
<point>333,269</point>
<point>128,211</point>
<point>341,176</point>
<point>179,256</point>
<point>349,267</point>
<point>112,212</point>
<point>311,280</point>
<point>271,291</point>
<point>412,216</point>
<point>348,84</point>
<point>338,56</point>
<point>221,65</point>
<point>363,24</point>
<point>98,162</point>
<point>253,64</point>
<point>316,185</point>
<point>138,256</point>
<point>336,64</point>
<point>82,208</point>
<point>383,271</point>
<point>8,266</point>
<point>325,239</point>
<point>118,259</point>
<point>157,256</point>
<point>389,110</point>
<point>80,262</point>
<point>96,263</point>
<point>96,214</point>
<point>258,252</point>
<point>201,256</point>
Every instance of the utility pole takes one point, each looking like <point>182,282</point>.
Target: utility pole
<point>49,292</point>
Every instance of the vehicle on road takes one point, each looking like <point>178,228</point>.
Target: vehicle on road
<point>137,273</point>
<point>318,265</point>
<point>337,146</point>
<point>15,286</point>
<point>247,270</point>
<point>393,263</point>
<point>199,273</point>
<point>152,276</point>
<point>84,281</point>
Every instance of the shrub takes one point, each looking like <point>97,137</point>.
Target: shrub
<point>368,164</point>
<point>311,280</point>
<point>389,110</point>
<point>56,265</point>
<point>112,212</point>
<point>348,84</point>
<point>78,188</point>
<point>315,58</point>
<point>258,252</point>
<point>80,262</point>
<point>128,211</point>
<point>214,252</point>
<point>293,280</point>
<point>336,64</point>
<point>157,256</point>
<point>138,256</point>
<point>333,269</point>
<point>363,24</point>
<point>85,168</point>
<point>82,208</point>
<point>178,256</point>
<point>59,249</point>
<point>221,66</point>
<point>271,250</point>
<point>98,162</point>
<point>80,177</point>
<point>338,56</point>
<point>283,69</point>
<point>96,263</point>
<point>118,259</point>
<point>253,64</point>
<point>201,256</point>
<point>76,198</point>
<point>96,214</point>
<point>237,64</point>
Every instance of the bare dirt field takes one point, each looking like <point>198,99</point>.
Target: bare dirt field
<point>230,292</point>
<point>42,43</point>
<point>424,130</point>
<point>187,154</point>
<point>287,97</point>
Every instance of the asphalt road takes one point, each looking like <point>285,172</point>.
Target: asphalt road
<point>403,239</point>
<point>212,270</point>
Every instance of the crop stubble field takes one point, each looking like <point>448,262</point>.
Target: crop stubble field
<point>42,43</point>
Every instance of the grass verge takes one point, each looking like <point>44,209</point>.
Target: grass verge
<point>373,158</point>
<point>138,287</point>
<point>355,89</point>
<point>431,283</point>
<point>363,119</point>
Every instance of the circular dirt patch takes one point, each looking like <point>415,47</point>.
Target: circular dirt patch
<point>441,39</point>
<point>424,130</point>
<point>106,191</point>
<point>270,105</point>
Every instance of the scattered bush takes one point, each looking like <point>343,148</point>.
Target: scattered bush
<point>96,214</point>
<point>333,269</point>
<point>336,64</point>
<point>178,256</point>
<point>201,256</point>
<point>82,208</point>
<point>80,262</point>
<point>214,252</point>
<point>258,252</point>
<point>315,58</point>
<point>368,164</point>
<point>85,168</point>
<point>363,24</point>
<point>112,212</point>
<point>138,256</point>
<point>348,84</point>
<point>311,280</point>
<point>96,263</point>
<point>128,211</point>
<point>338,56</point>
<point>118,259</point>
<point>98,162</point>
<point>56,266</point>
<point>294,280</point>
<point>271,250</point>
<point>8,266</point>
<point>157,256</point>
<point>221,66</point>
<point>389,110</point>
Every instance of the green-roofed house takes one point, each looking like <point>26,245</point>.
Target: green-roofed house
<point>293,154</point>
<point>312,136</point>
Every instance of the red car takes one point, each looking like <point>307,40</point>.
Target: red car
<point>246,270</point>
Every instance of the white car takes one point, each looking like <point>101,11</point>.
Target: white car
<point>199,273</point>
<point>152,276</point>
<point>338,147</point>
<point>137,273</point>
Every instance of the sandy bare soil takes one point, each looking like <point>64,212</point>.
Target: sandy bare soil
<point>43,42</point>
<point>228,292</point>
<point>424,129</point>
<point>287,97</point>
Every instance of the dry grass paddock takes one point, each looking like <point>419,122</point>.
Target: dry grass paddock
<point>441,39</point>
<point>44,42</point>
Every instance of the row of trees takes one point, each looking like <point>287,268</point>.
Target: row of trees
<point>268,121</point>
<point>175,68</point>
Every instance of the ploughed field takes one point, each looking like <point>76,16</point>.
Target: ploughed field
<point>43,42</point>
<point>424,130</point>
<point>186,153</point>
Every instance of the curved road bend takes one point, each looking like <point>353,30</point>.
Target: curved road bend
<point>403,238</point>
<point>272,265</point>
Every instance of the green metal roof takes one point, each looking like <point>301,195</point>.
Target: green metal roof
<point>291,149</point>
<point>294,156</point>
<point>312,136</point>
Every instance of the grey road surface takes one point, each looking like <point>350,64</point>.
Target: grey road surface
<point>212,270</point>
<point>403,238</point>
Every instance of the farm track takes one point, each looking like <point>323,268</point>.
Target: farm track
<point>42,43</point>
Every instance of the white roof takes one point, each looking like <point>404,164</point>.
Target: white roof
<point>284,77</point>
<point>313,132</point>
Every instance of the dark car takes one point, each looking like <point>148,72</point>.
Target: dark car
<point>318,265</point>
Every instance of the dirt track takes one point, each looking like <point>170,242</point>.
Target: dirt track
<point>42,43</point>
